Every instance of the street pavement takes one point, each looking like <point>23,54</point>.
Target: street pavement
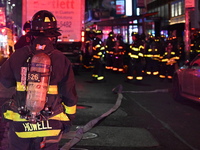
<point>96,99</point>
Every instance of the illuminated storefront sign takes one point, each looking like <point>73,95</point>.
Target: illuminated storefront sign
<point>120,7</point>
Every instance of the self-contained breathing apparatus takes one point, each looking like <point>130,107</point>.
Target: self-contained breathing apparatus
<point>36,76</point>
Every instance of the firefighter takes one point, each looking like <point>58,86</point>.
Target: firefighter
<point>152,56</point>
<point>24,39</point>
<point>168,62</point>
<point>88,49</point>
<point>98,58</point>
<point>110,44</point>
<point>136,59</point>
<point>118,55</point>
<point>44,104</point>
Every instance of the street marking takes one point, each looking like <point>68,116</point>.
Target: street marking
<point>153,91</point>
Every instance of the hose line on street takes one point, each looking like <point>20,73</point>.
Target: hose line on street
<point>80,131</point>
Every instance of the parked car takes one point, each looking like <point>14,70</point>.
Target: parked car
<point>186,81</point>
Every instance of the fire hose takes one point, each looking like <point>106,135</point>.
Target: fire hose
<point>90,124</point>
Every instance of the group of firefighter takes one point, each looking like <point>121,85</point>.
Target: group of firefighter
<point>157,56</point>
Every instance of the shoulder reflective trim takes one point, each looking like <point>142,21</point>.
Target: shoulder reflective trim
<point>70,109</point>
<point>38,133</point>
<point>62,117</point>
<point>52,89</point>
<point>10,115</point>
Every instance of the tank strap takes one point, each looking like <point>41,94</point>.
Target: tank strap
<point>52,89</point>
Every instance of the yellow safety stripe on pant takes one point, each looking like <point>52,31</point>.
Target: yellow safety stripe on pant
<point>52,89</point>
<point>43,133</point>
<point>134,56</point>
<point>11,115</point>
<point>69,109</point>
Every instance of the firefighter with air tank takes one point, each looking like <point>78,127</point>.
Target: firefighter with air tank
<point>136,59</point>
<point>98,57</point>
<point>44,104</point>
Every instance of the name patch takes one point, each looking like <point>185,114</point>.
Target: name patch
<point>36,127</point>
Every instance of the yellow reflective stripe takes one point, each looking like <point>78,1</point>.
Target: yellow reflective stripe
<point>102,48</point>
<point>100,78</point>
<point>52,89</point>
<point>140,54</point>
<point>141,47</point>
<point>95,75</point>
<point>10,115</point>
<point>99,53</point>
<point>139,78</point>
<point>43,133</point>
<point>70,109</point>
<point>135,49</point>
<point>20,87</point>
<point>97,46</point>
<point>130,77</point>
<point>164,60</point>
<point>62,117</point>
<point>134,56</point>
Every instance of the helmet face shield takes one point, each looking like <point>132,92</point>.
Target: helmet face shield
<point>44,23</point>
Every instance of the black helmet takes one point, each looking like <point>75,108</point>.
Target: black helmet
<point>44,23</point>
<point>99,32</point>
<point>135,34</point>
<point>27,25</point>
<point>111,34</point>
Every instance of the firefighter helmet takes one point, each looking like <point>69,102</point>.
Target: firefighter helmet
<point>27,25</point>
<point>99,32</point>
<point>111,34</point>
<point>135,34</point>
<point>44,23</point>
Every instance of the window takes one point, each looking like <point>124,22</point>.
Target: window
<point>177,8</point>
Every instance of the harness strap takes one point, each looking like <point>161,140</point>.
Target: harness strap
<point>52,89</point>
